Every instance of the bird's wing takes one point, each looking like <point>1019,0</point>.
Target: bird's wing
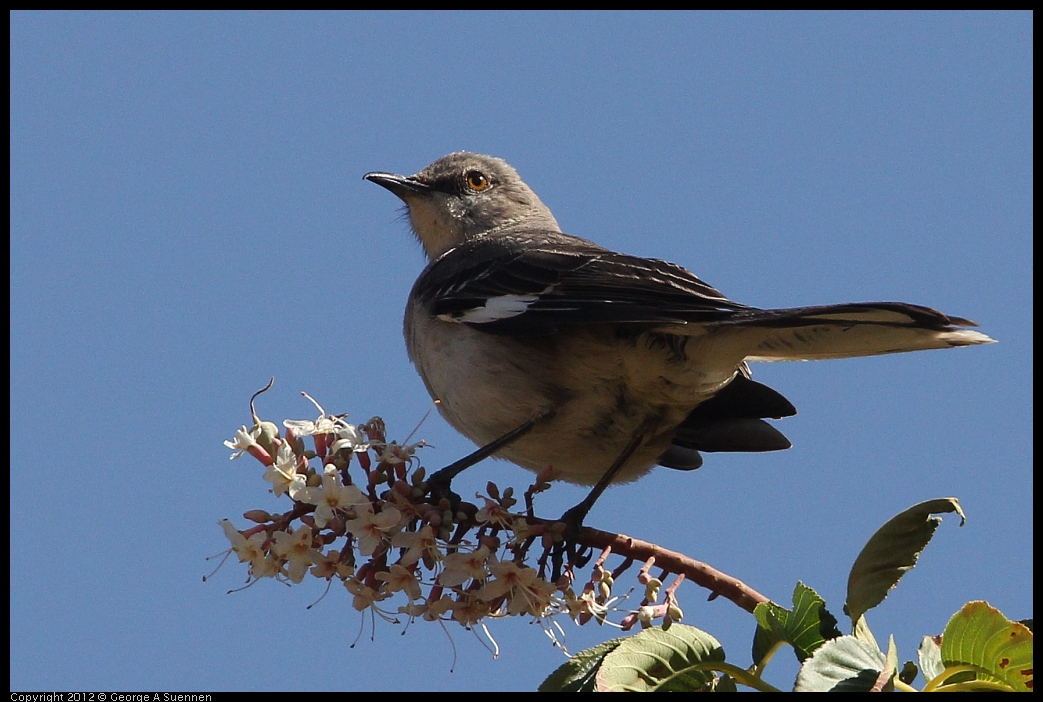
<point>539,282</point>
<point>546,280</point>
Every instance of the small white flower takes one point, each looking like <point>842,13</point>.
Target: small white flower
<point>322,425</point>
<point>283,473</point>
<point>372,529</point>
<point>325,424</point>
<point>393,453</point>
<point>398,578</point>
<point>331,496</point>
<point>349,437</point>
<point>295,547</point>
<point>460,567</point>
<point>243,441</point>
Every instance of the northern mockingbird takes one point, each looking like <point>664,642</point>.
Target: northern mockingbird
<point>547,349</point>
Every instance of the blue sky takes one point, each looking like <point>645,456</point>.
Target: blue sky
<point>188,218</point>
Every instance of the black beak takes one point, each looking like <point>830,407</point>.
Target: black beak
<point>400,185</point>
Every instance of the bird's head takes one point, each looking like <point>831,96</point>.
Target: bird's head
<point>464,196</point>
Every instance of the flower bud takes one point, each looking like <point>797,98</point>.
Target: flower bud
<point>652,589</point>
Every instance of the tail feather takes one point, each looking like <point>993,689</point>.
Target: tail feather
<point>849,330</point>
<point>731,420</point>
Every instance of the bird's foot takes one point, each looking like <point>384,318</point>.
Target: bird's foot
<point>569,550</point>
<point>438,489</point>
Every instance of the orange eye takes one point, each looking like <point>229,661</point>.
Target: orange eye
<point>476,181</point>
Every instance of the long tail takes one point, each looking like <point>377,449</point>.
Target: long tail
<point>848,330</point>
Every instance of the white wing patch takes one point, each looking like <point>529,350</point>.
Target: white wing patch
<point>494,309</point>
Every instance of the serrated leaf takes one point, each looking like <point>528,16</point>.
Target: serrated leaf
<point>771,630</point>
<point>891,552</point>
<point>657,660</point>
<point>577,674</point>
<point>981,636</point>
<point>841,665</point>
<point>805,628</point>
<point>930,656</point>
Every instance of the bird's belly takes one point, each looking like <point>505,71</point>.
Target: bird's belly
<point>594,388</point>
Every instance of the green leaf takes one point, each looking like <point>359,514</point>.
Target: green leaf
<point>930,656</point>
<point>577,674</point>
<point>806,628</point>
<point>979,635</point>
<point>665,661</point>
<point>908,673</point>
<point>891,552</point>
<point>841,665</point>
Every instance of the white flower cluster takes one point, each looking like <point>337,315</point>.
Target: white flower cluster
<point>374,529</point>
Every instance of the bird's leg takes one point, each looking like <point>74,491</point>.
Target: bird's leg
<point>573,518</point>
<point>438,483</point>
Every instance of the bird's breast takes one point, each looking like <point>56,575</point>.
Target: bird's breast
<point>595,386</point>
